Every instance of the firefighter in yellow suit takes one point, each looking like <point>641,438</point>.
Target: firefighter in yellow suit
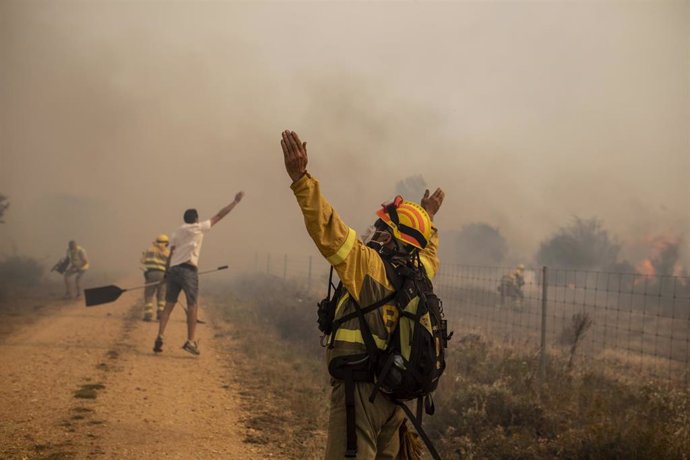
<point>363,274</point>
<point>155,260</point>
<point>78,265</point>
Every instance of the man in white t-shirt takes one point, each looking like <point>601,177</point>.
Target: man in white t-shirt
<point>182,272</point>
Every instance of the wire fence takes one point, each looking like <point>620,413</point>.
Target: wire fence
<point>626,322</point>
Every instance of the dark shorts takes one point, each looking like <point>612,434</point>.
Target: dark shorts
<point>182,277</point>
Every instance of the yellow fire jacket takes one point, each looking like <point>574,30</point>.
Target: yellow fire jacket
<point>361,271</point>
<point>155,257</point>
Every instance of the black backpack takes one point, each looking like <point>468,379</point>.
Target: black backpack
<point>399,378</point>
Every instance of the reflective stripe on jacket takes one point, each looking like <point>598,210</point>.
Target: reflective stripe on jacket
<point>359,267</point>
<point>155,258</point>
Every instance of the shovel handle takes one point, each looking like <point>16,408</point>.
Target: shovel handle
<point>142,286</point>
<point>222,267</point>
<point>156,283</point>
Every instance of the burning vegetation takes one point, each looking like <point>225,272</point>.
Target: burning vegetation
<point>663,257</point>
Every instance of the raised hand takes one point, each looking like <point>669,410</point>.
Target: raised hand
<point>239,196</point>
<point>295,155</point>
<point>432,202</point>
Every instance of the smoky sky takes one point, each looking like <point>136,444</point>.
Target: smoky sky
<point>117,116</point>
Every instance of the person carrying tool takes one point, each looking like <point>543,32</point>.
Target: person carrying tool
<point>185,247</point>
<point>78,264</point>
<point>155,260</point>
<point>359,427</point>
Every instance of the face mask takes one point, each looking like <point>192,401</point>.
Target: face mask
<point>379,246</point>
<point>381,249</point>
<point>375,245</point>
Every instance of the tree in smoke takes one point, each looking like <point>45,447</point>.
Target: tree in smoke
<point>583,244</point>
<point>4,204</point>
<point>411,188</point>
<point>481,244</point>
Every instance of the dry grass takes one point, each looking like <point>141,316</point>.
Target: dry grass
<point>284,383</point>
<point>489,404</point>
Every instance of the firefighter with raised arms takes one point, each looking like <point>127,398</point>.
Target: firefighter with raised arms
<point>361,425</point>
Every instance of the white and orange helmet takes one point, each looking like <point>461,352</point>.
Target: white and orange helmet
<point>409,222</point>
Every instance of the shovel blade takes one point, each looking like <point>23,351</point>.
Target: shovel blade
<point>101,295</point>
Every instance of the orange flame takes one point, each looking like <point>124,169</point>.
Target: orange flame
<point>646,268</point>
<point>663,253</point>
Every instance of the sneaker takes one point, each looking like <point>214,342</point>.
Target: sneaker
<point>158,344</point>
<point>191,347</point>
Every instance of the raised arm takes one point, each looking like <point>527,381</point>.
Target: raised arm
<point>337,242</point>
<point>224,212</point>
<point>431,202</point>
<point>331,235</point>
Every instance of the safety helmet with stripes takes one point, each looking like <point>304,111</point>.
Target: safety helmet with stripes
<point>408,221</point>
<point>162,238</point>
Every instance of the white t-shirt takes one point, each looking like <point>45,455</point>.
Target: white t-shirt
<point>187,243</point>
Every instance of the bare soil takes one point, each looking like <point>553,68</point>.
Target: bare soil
<point>82,382</point>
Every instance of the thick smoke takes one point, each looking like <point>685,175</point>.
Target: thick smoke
<point>115,117</point>
<point>411,188</point>
<point>477,244</point>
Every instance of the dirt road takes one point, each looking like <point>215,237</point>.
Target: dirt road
<point>84,383</point>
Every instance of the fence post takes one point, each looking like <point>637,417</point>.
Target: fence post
<point>309,275</point>
<point>285,266</point>
<point>542,347</point>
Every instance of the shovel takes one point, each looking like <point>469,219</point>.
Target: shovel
<point>110,293</point>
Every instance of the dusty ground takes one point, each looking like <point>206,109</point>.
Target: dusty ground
<point>133,404</point>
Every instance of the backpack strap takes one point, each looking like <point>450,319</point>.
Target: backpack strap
<point>391,274</point>
<point>418,427</point>
<point>423,404</point>
<point>367,336</point>
<point>381,377</point>
<point>420,409</point>
<point>330,283</point>
<point>394,279</point>
<point>351,447</point>
<point>360,312</point>
<point>373,352</point>
<point>338,322</point>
